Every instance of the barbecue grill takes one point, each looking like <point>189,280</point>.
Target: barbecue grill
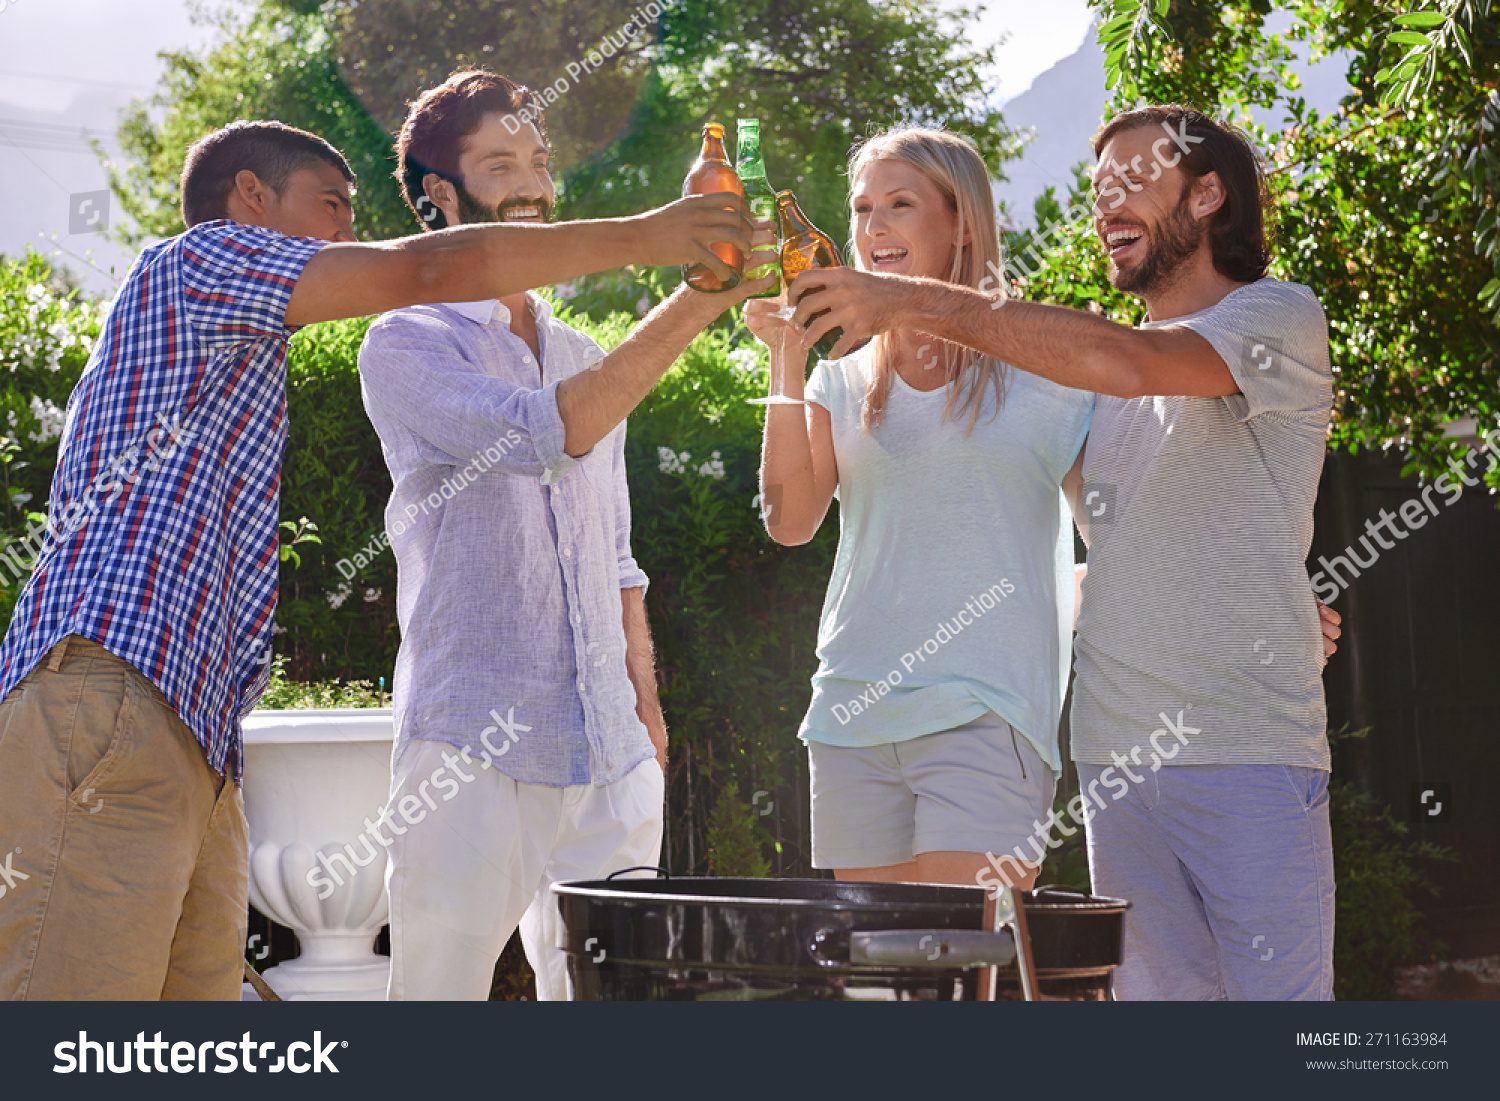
<point>718,939</point>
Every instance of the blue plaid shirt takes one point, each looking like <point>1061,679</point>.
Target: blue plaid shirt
<point>162,529</point>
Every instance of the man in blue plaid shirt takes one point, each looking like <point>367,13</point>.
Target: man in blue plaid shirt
<point>144,632</point>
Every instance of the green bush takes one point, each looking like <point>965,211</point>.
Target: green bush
<point>46,334</point>
<point>283,694</point>
<point>333,623</point>
<point>1377,924</point>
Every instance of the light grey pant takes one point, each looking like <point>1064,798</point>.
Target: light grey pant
<point>1228,870</point>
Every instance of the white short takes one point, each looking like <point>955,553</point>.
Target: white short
<point>462,879</point>
<point>976,788</point>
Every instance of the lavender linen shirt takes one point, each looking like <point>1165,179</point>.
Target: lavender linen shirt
<point>510,554</point>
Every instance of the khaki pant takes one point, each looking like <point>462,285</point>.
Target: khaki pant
<point>124,857</point>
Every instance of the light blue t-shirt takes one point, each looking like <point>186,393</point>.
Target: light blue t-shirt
<point>952,589</point>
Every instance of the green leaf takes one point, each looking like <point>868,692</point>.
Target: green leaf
<point>1489,289</point>
<point>1465,47</point>
<point>1410,38</point>
<point>1420,18</point>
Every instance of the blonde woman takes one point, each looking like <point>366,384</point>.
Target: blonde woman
<point>944,639</point>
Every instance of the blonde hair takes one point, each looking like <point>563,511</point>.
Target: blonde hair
<point>959,174</point>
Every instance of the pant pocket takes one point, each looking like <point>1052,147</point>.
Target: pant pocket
<point>1309,784</point>
<point>102,735</point>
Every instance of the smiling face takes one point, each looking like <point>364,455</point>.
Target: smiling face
<point>903,223</point>
<point>1151,216</point>
<point>505,168</point>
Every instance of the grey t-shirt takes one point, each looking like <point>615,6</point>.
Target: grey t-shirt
<point>1198,640</point>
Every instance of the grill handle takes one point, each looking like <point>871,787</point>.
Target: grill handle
<point>937,949</point>
<point>661,872</point>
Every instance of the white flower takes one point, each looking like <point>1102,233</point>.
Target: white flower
<point>372,595</point>
<point>338,596</point>
<point>671,462</point>
<point>714,468</point>
<point>50,420</point>
<point>745,360</point>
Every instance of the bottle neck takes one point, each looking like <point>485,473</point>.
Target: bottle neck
<point>749,162</point>
<point>751,166</point>
<point>713,147</point>
<point>793,221</point>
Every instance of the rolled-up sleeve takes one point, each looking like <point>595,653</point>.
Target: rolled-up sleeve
<point>631,574</point>
<point>414,373</point>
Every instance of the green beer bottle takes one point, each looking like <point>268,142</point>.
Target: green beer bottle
<point>751,169</point>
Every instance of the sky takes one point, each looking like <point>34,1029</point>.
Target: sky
<point>67,66</point>
<point>1036,35</point>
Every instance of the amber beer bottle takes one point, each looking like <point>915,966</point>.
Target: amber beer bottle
<point>804,247</point>
<point>711,174</point>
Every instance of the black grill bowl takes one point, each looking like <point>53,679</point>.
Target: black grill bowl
<point>725,939</point>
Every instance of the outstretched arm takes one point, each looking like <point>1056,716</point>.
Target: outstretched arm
<point>1070,347</point>
<point>467,263</point>
<point>593,402</point>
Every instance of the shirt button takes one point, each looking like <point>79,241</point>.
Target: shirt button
<point>525,359</point>
<point>580,684</point>
<point>556,490</point>
<point>567,552</point>
<point>577,618</point>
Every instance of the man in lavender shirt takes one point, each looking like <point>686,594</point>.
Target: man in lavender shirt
<point>530,744</point>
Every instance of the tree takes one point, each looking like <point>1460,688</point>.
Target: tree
<point>820,74</point>
<point>588,59</point>
<point>1387,207</point>
<point>625,100</point>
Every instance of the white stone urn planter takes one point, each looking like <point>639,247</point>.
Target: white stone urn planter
<point>312,778</point>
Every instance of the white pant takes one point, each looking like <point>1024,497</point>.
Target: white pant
<point>465,876</point>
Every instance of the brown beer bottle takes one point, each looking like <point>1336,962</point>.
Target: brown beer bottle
<point>804,247</point>
<point>711,174</point>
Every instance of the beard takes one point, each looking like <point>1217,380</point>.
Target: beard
<point>1170,244</point>
<point>471,210</point>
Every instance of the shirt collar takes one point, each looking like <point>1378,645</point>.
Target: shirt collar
<point>487,310</point>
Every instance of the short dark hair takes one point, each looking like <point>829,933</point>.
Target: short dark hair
<point>1238,231</point>
<point>439,120</point>
<point>272,150</point>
